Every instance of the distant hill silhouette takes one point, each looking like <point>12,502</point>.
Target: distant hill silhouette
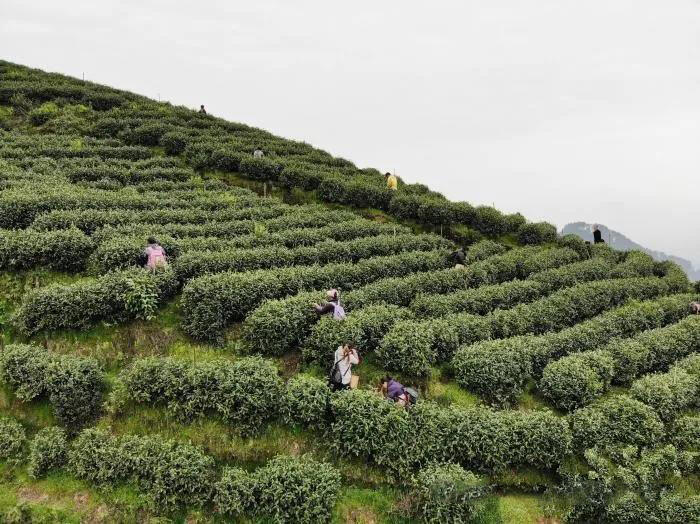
<point>620,241</point>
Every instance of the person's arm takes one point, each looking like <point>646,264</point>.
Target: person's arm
<point>354,357</point>
<point>325,308</point>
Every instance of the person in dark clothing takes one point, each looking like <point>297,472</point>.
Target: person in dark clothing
<point>202,110</point>
<point>332,306</point>
<point>597,236</point>
<point>459,257</point>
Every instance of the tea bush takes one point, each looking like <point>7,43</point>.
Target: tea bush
<point>576,380</point>
<point>408,348</point>
<point>235,493</point>
<point>63,250</point>
<point>364,328</point>
<point>446,493</point>
<point>13,440</point>
<point>686,432</point>
<point>73,385</point>
<point>616,420</point>
<point>483,250</point>
<point>297,489</point>
<point>306,401</point>
<point>172,474</point>
<point>79,305</point>
<point>246,393</point>
<point>48,450</point>
<point>537,233</point>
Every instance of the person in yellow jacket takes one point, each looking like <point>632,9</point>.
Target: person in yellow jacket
<point>391,181</point>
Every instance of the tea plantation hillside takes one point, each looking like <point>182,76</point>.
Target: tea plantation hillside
<point>558,381</point>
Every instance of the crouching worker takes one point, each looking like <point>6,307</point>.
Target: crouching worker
<point>332,306</point>
<point>395,391</point>
<point>341,375</point>
<point>155,255</point>
<point>459,258</point>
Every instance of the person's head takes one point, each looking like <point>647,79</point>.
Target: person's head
<point>332,294</point>
<point>387,175</point>
<point>202,106</point>
<point>152,240</point>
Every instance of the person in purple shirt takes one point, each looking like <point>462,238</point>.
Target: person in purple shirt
<point>394,390</point>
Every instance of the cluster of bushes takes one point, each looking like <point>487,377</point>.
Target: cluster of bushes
<point>73,385</point>
<point>89,220</point>
<point>411,347</point>
<point>245,393</point>
<point>628,484</point>
<point>306,217</point>
<point>13,440</point>
<point>671,393</point>
<point>192,265</point>
<point>446,493</point>
<point>484,299</point>
<point>119,296</point>
<point>119,251</point>
<point>500,369</point>
<point>476,438</point>
<point>211,302</point>
<point>62,250</point>
<point>614,421</point>
<point>171,474</point>
<point>260,331</point>
<point>576,380</point>
<point>286,489</point>
<point>537,233</point>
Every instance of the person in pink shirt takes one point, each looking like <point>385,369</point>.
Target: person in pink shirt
<point>155,254</point>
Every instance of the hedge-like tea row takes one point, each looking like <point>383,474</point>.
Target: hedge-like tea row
<point>499,369</point>
<point>20,207</point>
<point>13,440</point>
<point>286,489</point>
<point>117,251</point>
<point>246,393</point>
<point>614,421</point>
<point>171,474</point>
<point>411,347</point>
<point>578,379</point>
<point>73,385</point>
<point>118,296</point>
<point>211,302</point>
<point>261,334</point>
<point>673,392</point>
<point>484,299</point>
<point>192,265</point>
<point>477,438</point>
<point>63,250</point>
<point>89,220</point>
<point>297,217</point>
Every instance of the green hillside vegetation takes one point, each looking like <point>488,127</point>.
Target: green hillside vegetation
<point>558,381</point>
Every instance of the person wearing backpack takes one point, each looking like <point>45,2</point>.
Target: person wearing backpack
<point>332,306</point>
<point>396,392</point>
<point>155,255</point>
<point>345,357</point>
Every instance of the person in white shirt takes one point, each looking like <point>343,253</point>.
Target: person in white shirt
<point>258,153</point>
<point>345,357</point>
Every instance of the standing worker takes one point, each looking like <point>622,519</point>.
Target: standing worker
<point>345,357</point>
<point>258,153</point>
<point>391,181</point>
<point>597,235</point>
<point>202,110</point>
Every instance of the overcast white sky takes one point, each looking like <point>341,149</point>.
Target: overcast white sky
<point>564,110</point>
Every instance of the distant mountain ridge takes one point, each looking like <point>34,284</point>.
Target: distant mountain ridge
<point>621,242</point>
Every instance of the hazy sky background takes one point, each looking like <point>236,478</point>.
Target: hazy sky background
<point>564,110</point>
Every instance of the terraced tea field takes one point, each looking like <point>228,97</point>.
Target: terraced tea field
<point>558,381</point>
